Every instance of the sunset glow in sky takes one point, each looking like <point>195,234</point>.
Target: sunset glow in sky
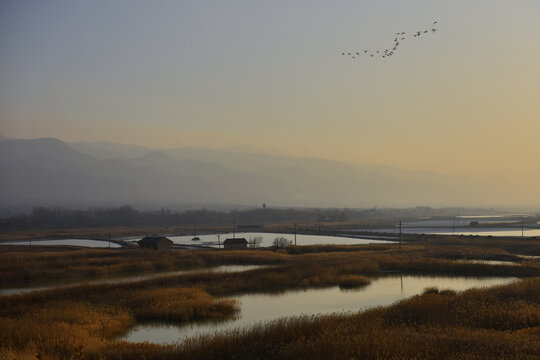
<point>270,74</point>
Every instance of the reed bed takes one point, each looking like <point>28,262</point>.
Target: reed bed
<point>352,281</point>
<point>27,268</point>
<point>58,328</point>
<point>24,267</point>
<point>81,321</point>
<point>496,323</point>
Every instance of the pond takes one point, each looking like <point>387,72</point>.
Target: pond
<point>256,308</point>
<point>460,221</point>
<point>213,240</point>
<point>217,269</point>
<point>71,242</point>
<point>486,262</point>
<point>503,231</point>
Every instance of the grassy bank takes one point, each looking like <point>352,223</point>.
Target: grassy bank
<point>497,323</point>
<point>23,267</point>
<point>61,326</point>
<point>81,321</point>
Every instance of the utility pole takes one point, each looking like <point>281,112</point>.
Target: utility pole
<point>399,235</point>
<point>234,230</point>
<point>295,234</point>
<point>218,242</point>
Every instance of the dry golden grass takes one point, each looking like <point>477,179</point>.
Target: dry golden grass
<point>17,268</point>
<point>422,254</point>
<point>81,321</point>
<point>59,328</point>
<point>352,281</point>
<point>498,323</point>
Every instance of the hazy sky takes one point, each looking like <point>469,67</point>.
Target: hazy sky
<point>465,100</point>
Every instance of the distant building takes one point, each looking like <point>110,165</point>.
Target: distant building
<point>155,243</point>
<point>237,243</point>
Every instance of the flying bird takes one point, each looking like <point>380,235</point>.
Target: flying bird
<point>387,53</point>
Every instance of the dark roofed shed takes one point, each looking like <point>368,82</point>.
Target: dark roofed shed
<point>236,243</point>
<point>155,243</point>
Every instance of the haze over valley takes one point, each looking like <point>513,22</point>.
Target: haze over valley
<point>51,172</point>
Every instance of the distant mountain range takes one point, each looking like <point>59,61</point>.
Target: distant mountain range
<point>50,172</point>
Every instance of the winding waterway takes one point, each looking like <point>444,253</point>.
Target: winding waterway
<point>257,308</point>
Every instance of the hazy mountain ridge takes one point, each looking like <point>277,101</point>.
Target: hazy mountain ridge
<point>50,170</point>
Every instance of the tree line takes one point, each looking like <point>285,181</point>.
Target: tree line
<point>127,215</point>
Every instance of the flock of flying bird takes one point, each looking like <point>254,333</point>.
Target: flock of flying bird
<point>386,53</point>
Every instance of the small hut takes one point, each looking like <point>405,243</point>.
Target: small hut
<point>237,243</point>
<point>155,243</point>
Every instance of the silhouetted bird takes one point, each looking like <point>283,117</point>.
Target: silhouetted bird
<point>387,53</point>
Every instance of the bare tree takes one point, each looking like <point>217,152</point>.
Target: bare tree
<point>255,242</point>
<point>281,242</point>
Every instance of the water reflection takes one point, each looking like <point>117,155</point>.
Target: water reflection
<point>264,307</point>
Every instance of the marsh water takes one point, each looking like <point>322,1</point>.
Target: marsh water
<point>503,231</point>
<point>71,242</point>
<point>486,262</point>
<point>214,240</point>
<point>126,279</point>
<point>258,308</point>
<point>486,225</point>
